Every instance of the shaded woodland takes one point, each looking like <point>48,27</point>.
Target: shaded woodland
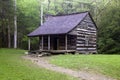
<point>26,14</point>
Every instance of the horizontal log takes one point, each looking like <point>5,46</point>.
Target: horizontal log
<point>81,48</point>
<point>88,21</point>
<point>86,30</point>
<point>91,48</point>
<point>80,41</point>
<point>80,44</point>
<point>86,33</point>
<point>79,29</point>
<point>86,48</point>
<point>91,29</point>
<point>94,45</point>
<point>80,38</point>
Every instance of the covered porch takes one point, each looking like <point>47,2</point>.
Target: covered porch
<point>60,43</point>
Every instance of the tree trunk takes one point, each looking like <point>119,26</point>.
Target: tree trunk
<point>9,38</point>
<point>15,25</point>
<point>48,5</point>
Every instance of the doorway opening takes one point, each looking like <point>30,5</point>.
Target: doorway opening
<point>55,43</point>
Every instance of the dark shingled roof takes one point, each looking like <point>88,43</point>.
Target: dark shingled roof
<point>59,24</point>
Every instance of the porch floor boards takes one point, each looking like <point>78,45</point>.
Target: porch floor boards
<point>54,51</point>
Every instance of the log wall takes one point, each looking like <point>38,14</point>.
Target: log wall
<point>71,42</point>
<point>86,36</point>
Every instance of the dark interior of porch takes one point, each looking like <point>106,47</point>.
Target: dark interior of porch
<point>56,44</point>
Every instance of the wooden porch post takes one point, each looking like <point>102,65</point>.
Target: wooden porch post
<point>57,43</point>
<point>29,44</point>
<point>48,42</point>
<point>66,42</point>
<point>42,42</point>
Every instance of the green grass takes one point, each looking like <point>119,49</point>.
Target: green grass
<point>13,67</point>
<point>105,64</point>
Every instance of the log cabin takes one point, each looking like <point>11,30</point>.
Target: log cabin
<point>76,32</point>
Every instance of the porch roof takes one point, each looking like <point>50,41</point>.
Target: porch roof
<point>59,24</point>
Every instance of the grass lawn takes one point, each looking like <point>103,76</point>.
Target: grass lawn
<point>13,67</point>
<point>106,64</point>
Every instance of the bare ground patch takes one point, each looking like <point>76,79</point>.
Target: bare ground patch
<point>81,75</point>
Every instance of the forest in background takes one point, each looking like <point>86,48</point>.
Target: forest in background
<point>106,14</point>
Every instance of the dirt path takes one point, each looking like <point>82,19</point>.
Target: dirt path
<point>42,62</point>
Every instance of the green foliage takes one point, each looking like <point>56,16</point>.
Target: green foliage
<point>66,6</point>
<point>6,19</point>
<point>28,20</point>
<point>109,30</point>
<point>14,67</point>
<point>106,64</point>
